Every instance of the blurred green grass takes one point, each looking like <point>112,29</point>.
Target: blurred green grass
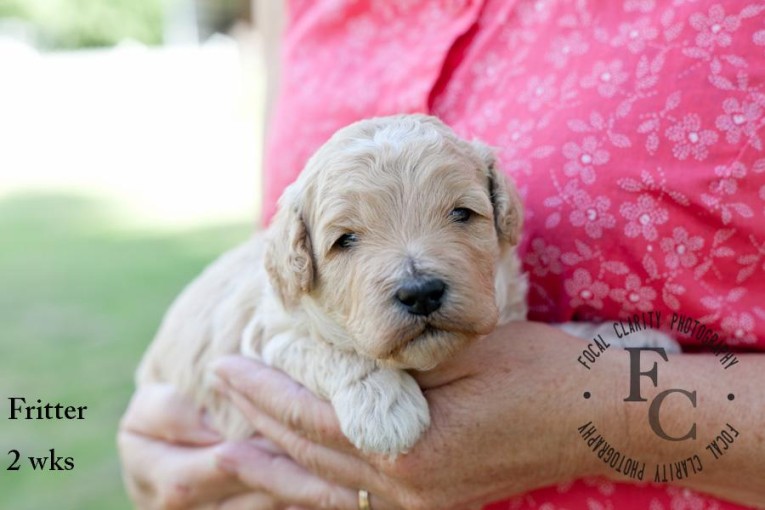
<point>89,23</point>
<point>80,298</point>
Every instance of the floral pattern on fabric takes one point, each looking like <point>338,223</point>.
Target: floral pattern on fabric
<point>634,131</point>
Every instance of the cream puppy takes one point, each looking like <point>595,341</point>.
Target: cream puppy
<point>393,249</point>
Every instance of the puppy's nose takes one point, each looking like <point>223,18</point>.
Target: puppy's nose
<point>421,296</point>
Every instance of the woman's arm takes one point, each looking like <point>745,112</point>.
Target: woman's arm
<point>722,408</point>
<point>506,418</point>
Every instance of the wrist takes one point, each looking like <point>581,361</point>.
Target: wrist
<point>586,404</point>
<point>603,423</point>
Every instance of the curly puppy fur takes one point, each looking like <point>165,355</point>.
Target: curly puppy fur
<point>384,203</point>
<point>326,312</point>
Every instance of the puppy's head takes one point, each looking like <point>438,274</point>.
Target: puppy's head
<point>390,237</point>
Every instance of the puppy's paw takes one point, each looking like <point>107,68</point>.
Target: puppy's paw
<point>385,412</point>
<point>648,338</point>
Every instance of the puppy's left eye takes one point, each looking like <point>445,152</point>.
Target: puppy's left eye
<point>345,241</point>
<point>461,214</point>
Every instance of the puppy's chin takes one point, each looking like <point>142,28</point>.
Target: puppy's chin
<point>424,343</point>
<point>437,341</point>
<point>428,350</point>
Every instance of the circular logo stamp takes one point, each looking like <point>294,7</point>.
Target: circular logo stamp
<point>643,388</point>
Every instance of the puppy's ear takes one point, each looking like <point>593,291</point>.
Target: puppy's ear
<point>508,210</point>
<point>288,257</point>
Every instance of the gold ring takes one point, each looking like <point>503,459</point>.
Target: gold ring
<point>364,500</point>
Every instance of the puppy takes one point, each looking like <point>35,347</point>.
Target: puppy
<point>394,248</point>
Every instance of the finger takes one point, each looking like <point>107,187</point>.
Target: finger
<point>267,445</point>
<point>249,501</point>
<point>337,466</point>
<point>160,411</point>
<point>165,475</point>
<point>273,392</point>
<point>290,483</point>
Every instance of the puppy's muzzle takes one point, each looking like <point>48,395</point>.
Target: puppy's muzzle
<point>421,296</point>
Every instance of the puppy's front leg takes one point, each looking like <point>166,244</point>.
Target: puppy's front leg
<point>384,411</point>
<point>380,409</point>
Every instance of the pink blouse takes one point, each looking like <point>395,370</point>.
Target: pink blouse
<point>634,129</point>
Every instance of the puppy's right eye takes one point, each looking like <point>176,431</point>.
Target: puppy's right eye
<point>345,241</point>
<point>461,215</point>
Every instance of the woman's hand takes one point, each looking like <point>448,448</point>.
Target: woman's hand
<point>503,421</point>
<point>171,458</point>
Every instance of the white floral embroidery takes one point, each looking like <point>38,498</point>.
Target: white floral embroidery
<point>544,258</point>
<point>583,158</point>
<point>740,328</point>
<point>562,49</point>
<point>592,214</point>
<point>643,216</point>
<point>759,38</point>
<point>634,295</point>
<point>635,35</point>
<point>516,136</point>
<point>639,5</point>
<point>606,77</point>
<point>715,28</point>
<point>721,189</point>
<point>729,176</point>
<point>680,248</point>
<point>584,291</point>
<point>539,91</point>
<point>741,119</point>
<point>690,139</point>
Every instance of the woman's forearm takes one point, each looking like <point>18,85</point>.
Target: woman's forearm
<point>516,411</point>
